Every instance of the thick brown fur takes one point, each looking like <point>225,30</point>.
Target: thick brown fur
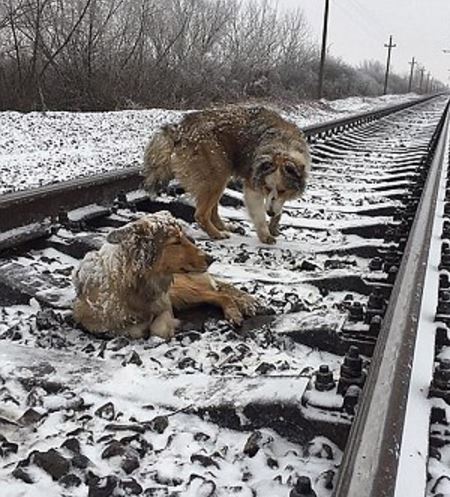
<point>207,148</point>
<point>125,287</point>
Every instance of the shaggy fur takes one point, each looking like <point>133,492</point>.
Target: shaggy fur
<point>125,288</point>
<point>208,147</point>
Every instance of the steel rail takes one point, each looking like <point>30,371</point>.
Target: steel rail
<point>332,126</point>
<point>370,463</point>
<point>34,205</point>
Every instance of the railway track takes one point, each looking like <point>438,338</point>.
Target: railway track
<point>320,380</point>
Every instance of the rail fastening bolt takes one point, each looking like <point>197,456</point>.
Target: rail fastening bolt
<point>63,217</point>
<point>444,302</point>
<point>351,399</point>
<point>375,325</point>
<point>324,379</point>
<point>441,336</point>
<point>302,488</point>
<point>446,229</point>
<point>353,360</point>
<point>356,312</point>
<point>351,372</point>
<point>376,300</point>
<point>441,377</point>
<point>444,282</point>
<point>376,264</point>
<point>445,259</point>
<point>392,274</point>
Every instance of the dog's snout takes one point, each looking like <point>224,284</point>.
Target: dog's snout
<point>209,259</point>
<point>271,212</point>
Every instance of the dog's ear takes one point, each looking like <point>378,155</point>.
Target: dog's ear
<point>120,234</point>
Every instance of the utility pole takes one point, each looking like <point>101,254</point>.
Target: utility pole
<point>411,75</point>
<point>390,46</point>
<point>422,72</point>
<point>324,48</point>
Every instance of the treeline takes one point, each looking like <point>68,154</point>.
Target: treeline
<point>114,54</point>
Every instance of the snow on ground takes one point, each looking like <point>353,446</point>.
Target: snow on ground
<point>41,148</point>
<point>118,413</point>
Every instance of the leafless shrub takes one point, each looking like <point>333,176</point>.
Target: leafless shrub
<point>109,54</point>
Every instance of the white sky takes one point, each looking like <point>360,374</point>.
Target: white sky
<point>358,30</point>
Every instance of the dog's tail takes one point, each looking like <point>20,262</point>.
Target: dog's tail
<point>157,168</point>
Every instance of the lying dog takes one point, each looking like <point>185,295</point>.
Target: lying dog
<point>208,147</point>
<point>125,288</point>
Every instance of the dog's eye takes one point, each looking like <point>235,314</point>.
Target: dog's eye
<point>281,192</point>
<point>265,167</point>
<point>292,170</point>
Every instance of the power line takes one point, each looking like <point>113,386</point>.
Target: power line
<point>374,25</point>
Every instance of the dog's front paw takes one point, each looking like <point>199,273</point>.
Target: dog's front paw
<point>266,237</point>
<point>234,315</point>
<point>164,332</point>
<point>274,225</point>
<point>235,228</point>
<point>250,307</point>
<point>164,326</point>
<point>274,230</point>
<point>220,235</point>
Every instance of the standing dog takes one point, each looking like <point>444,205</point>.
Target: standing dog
<point>207,148</point>
<point>128,287</point>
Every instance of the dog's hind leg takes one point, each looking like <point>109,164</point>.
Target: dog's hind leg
<point>216,219</point>
<point>225,226</point>
<point>206,212</point>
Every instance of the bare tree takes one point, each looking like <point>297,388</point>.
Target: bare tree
<point>107,54</point>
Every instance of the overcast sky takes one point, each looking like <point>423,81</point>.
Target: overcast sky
<point>358,30</point>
